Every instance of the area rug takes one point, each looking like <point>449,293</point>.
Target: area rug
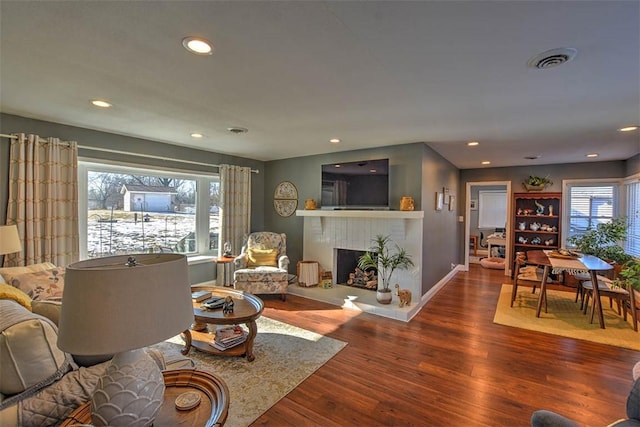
<point>285,356</point>
<point>564,318</point>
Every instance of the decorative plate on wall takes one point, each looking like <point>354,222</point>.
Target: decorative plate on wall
<point>285,199</point>
<point>285,207</point>
<point>286,190</point>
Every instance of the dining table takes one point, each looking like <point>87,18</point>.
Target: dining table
<point>556,263</point>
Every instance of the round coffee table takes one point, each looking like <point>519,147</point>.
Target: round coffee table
<point>246,309</point>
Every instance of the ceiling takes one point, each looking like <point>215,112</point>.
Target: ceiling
<point>298,73</point>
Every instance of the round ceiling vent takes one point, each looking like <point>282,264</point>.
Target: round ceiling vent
<point>552,58</point>
<point>238,130</point>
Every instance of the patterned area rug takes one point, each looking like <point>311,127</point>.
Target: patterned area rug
<point>285,356</point>
<point>564,318</point>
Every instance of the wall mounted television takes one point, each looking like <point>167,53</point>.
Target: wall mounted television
<point>356,185</point>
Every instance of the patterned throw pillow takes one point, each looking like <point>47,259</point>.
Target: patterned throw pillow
<point>262,257</point>
<point>41,285</point>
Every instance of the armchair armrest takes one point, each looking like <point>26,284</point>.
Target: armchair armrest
<point>283,262</point>
<point>240,261</point>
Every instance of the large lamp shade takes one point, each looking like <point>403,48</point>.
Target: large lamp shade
<point>9,240</point>
<point>110,306</point>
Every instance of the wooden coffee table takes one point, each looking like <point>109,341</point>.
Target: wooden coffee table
<point>247,308</point>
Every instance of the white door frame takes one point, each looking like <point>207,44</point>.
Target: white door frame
<point>509,227</point>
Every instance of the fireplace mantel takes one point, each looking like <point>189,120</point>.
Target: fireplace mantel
<point>349,213</point>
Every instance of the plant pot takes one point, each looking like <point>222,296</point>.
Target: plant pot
<point>384,296</point>
<point>530,187</point>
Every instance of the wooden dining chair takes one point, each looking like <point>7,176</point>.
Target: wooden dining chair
<point>524,272</point>
<point>624,299</point>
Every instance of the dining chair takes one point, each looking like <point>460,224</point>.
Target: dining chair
<point>524,272</point>
<point>624,299</point>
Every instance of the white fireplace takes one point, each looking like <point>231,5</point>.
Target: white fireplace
<point>327,230</point>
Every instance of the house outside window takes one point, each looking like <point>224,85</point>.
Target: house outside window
<point>134,210</point>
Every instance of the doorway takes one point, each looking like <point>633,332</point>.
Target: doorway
<point>488,221</point>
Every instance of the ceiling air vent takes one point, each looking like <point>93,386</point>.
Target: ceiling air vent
<point>552,58</point>
<point>238,130</point>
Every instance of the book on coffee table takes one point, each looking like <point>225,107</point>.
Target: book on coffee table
<point>228,336</point>
<point>200,295</point>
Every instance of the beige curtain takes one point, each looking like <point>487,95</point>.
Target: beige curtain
<point>235,204</point>
<point>43,200</point>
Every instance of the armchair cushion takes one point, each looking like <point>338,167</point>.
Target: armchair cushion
<point>261,257</point>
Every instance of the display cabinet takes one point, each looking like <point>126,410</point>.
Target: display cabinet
<point>536,221</point>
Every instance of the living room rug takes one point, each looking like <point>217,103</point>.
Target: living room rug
<point>564,318</point>
<point>285,355</point>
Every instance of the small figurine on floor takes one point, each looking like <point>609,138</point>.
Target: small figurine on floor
<point>228,305</point>
<point>404,296</point>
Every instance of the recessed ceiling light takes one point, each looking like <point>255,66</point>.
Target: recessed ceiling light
<point>101,103</point>
<point>237,130</point>
<point>592,155</point>
<point>628,128</point>
<point>198,45</point>
<point>372,171</point>
<point>338,166</point>
<point>473,143</point>
<point>486,162</point>
<point>197,135</point>
<point>334,140</point>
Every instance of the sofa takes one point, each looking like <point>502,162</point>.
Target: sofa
<point>39,383</point>
<point>544,418</point>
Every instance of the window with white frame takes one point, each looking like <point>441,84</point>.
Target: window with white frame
<point>588,204</point>
<point>632,190</point>
<point>126,209</point>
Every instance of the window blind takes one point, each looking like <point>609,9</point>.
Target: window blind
<point>632,245</point>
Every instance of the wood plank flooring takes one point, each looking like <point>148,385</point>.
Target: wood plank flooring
<point>450,366</point>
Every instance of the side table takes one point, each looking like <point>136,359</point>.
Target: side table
<point>226,274</point>
<point>212,410</point>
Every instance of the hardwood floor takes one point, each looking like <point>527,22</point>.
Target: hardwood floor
<point>451,365</point>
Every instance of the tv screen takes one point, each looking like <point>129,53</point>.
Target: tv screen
<point>356,185</point>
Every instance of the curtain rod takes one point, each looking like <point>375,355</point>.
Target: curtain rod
<point>149,156</point>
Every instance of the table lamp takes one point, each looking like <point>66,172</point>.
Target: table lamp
<point>119,304</point>
<point>9,239</point>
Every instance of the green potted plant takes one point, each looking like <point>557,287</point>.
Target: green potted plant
<point>385,261</point>
<point>604,240</point>
<point>629,278</point>
<point>536,183</point>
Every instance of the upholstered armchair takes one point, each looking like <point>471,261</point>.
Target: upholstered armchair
<point>263,265</point>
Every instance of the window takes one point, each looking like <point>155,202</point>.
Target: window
<point>632,190</point>
<point>587,205</point>
<point>492,211</point>
<point>131,210</point>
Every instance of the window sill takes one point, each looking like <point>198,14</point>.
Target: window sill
<point>200,259</point>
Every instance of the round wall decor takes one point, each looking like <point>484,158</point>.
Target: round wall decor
<point>286,190</point>
<point>285,199</point>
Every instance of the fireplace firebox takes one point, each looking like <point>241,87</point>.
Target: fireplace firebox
<point>348,273</point>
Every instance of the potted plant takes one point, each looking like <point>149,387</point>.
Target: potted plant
<point>603,241</point>
<point>629,278</point>
<point>385,261</point>
<point>536,183</point>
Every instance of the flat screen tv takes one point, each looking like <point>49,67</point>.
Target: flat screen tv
<point>356,185</point>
